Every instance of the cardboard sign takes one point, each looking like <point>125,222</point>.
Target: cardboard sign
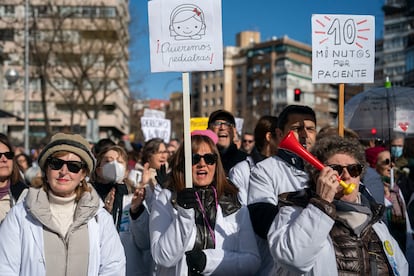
<point>156,128</point>
<point>343,48</point>
<point>185,35</point>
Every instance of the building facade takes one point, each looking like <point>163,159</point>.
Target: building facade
<point>76,63</point>
<point>397,45</point>
<point>260,78</point>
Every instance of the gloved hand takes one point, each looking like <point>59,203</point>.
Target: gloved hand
<point>187,198</point>
<point>196,261</point>
<point>162,176</point>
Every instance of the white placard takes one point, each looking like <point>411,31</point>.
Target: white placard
<point>156,128</point>
<point>185,35</point>
<point>403,121</point>
<point>343,48</point>
<point>153,113</point>
<point>239,125</point>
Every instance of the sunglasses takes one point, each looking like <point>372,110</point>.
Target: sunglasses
<point>385,162</point>
<point>248,141</point>
<point>209,158</point>
<point>354,170</point>
<point>73,166</point>
<point>9,154</point>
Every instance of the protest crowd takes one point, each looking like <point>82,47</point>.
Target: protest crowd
<point>259,206</point>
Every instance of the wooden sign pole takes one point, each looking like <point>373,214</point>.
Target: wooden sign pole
<point>341,99</point>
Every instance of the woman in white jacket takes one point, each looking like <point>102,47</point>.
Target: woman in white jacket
<point>61,227</point>
<point>202,230</point>
<point>322,231</point>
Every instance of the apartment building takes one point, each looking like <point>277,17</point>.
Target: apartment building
<point>260,78</point>
<point>77,65</point>
<point>397,44</point>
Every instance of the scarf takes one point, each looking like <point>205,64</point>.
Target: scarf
<point>120,191</point>
<point>4,190</point>
<point>355,215</point>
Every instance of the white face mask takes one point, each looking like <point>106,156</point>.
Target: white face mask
<point>113,172</point>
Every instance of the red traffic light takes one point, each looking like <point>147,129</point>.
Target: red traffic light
<point>297,93</point>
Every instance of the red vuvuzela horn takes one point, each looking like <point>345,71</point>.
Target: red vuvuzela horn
<point>291,144</point>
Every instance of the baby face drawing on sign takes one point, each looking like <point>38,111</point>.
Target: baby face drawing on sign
<point>187,22</point>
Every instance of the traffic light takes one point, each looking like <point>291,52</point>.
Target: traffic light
<point>297,93</point>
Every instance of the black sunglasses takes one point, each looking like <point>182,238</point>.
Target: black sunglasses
<point>73,166</point>
<point>209,158</point>
<point>9,154</point>
<point>354,170</point>
<point>385,162</point>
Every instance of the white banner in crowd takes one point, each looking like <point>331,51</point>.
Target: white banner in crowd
<point>239,125</point>
<point>153,113</point>
<point>343,48</point>
<point>156,128</point>
<point>402,121</point>
<point>185,36</point>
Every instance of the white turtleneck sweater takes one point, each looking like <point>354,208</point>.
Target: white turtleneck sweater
<point>63,210</point>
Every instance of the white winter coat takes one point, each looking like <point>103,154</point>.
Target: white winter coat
<point>272,177</point>
<point>240,176</point>
<point>173,232</point>
<point>300,243</point>
<point>268,179</point>
<point>22,245</point>
<point>136,240</point>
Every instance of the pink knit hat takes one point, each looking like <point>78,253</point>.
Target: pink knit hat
<point>371,155</point>
<point>206,132</point>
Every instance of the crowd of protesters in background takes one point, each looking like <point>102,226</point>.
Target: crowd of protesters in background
<point>253,208</point>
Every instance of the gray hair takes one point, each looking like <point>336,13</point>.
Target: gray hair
<point>31,173</point>
<point>328,146</point>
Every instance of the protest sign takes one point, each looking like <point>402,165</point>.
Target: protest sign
<point>153,113</point>
<point>198,123</point>
<point>185,36</point>
<point>343,48</point>
<point>156,127</point>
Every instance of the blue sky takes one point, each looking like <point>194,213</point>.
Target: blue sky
<point>270,18</point>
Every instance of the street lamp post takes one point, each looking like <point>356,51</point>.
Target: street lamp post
<point>12,76</point>
<point>26,77</point>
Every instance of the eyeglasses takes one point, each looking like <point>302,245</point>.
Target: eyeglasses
<point>354,170</point>
<point>73,166</point>
<point>209,158</point>
<point>9,154</point>
<point>217,124</point>
<point>248,141</point>
<point>385,162</point>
